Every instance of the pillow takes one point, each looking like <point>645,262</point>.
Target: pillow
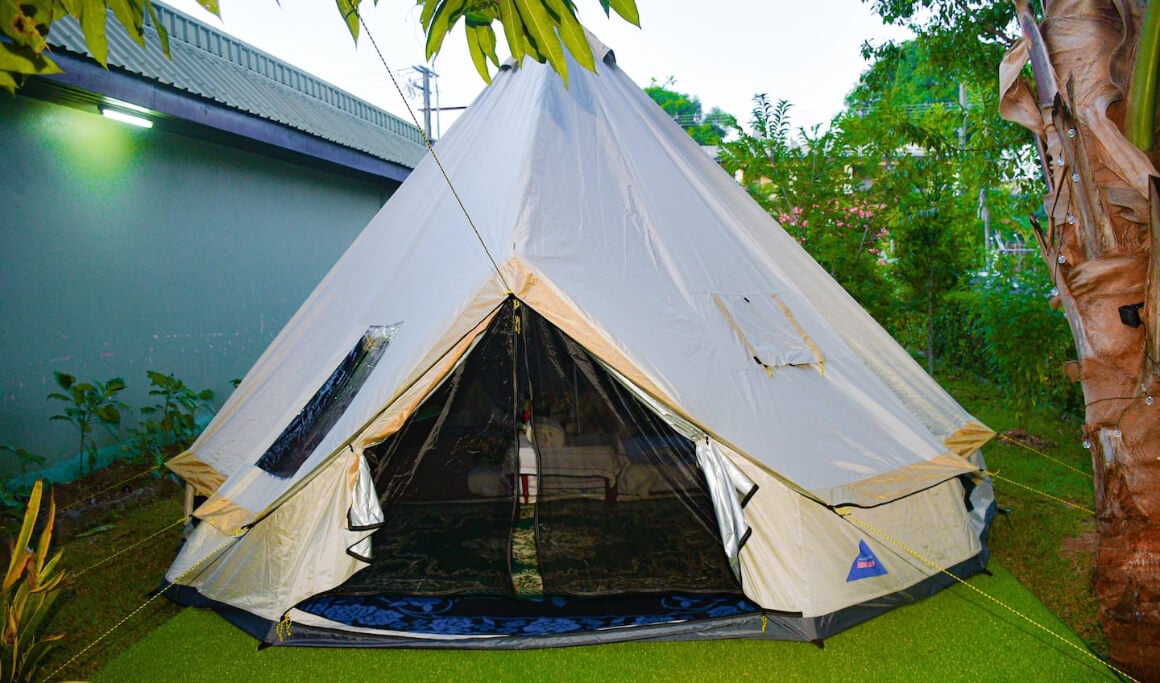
<point>546,433</point>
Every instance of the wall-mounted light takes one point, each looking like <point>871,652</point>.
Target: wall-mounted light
<point>125,117</point>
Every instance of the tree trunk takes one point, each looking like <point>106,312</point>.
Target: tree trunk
<point>1098,244</point>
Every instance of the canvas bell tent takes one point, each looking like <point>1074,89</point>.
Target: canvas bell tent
<point>604,398</point>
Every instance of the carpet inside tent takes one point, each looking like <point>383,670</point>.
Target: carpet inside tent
<point>475,616</point>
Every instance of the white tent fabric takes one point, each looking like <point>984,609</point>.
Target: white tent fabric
<point>605,217</point>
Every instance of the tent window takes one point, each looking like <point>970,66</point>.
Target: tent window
<point>767,328</point>
<point>295,444</point>
<point>530,471</point>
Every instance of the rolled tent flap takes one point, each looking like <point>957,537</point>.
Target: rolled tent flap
<point>721,476</point>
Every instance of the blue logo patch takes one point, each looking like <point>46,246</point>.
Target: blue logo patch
<point>865,565</point>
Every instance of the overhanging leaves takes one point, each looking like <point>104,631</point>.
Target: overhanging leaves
<point>540,29</point>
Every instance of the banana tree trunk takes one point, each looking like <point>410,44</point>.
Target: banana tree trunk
<point>1098,241</point>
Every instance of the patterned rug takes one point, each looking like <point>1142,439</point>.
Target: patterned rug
<point>465,616</point>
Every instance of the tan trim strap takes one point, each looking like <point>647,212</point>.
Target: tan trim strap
<point>970,438</point>
<point>740,335</point>
<point>202,477</point>
<point>225,515</point>
<point>889,486</point>
<point>809,341</point>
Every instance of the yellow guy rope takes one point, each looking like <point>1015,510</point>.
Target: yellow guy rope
<point>126,549</point>
<point>431,149</point>
<point>119,624</point>
<point>118,485</point>
<point>1015,442</point>
<point>1068,503</point>
<point>849,516</point>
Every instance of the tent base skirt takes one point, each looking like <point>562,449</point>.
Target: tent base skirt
<point>721,617</point>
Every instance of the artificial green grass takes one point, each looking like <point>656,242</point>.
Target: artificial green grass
<point>955,635</point>
<point>1045,544</point>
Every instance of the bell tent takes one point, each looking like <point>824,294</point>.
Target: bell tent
<point>593,394</point>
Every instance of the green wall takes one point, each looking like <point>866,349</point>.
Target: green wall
<point>124,250</point>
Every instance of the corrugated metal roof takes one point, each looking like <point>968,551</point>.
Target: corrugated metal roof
<point>210,64</point>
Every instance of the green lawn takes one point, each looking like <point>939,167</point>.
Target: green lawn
<point>956,635</point>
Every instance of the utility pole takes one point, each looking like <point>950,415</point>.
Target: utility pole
<point>427,74</point>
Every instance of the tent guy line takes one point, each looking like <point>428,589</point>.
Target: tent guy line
<point>431,149</point>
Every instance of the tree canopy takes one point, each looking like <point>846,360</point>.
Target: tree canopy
<point>707,129</point>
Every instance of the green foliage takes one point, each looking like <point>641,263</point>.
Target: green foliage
<point>707,129</point>
<point>170,426</point>
<point>89,404</point>
<point>31,585</point>
<point>815,185</point>
<point>539,29</point>
<point>964,41</point>
<point>27,22</point>
<point>986,329</point>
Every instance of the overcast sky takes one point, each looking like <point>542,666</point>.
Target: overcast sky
<point>723,52</point>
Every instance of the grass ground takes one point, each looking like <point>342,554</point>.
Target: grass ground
<point>956,635</point>
<point>1045,544</point>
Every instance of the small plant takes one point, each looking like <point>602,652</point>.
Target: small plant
<point>10,493</point>
<point>170,426</point>
<point>89,404</point>
<point>24,457</point>
<point>31,585</point>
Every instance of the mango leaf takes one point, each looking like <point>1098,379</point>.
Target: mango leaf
<point>131,14</point>
<point>572,33</point>
<point>429,7</point>
<point>627,10</point>
<point>445,18</point>
<point>64,379</point>
<point>18,59</point>
<point>487,43</point>
<point>26,23</point>
<point>7,82</point>
<point>605,5</point>
<point>210,6</point>
<point>513,28</point>
<point>476,49</point>
<point>92,17</point>
<point>115,384</point>
<point>162,33</point>
<point>541,29</point>
<point>349,11</point>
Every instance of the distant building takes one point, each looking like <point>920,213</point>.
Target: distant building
<point>180,248</point>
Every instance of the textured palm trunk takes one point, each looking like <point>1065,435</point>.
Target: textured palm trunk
<point>1098,242</point>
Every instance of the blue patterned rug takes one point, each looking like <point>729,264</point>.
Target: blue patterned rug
<point>539,616</point>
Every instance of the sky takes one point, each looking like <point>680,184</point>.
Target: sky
<point>723,52</point>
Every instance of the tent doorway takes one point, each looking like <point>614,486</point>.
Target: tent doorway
<point>531,473</point>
